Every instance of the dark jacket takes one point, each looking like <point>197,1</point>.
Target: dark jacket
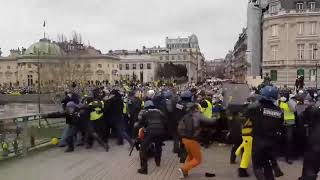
<point>312,117</point>
<point>189,125</point>
<point>267,118</point>
<point>153,120</point>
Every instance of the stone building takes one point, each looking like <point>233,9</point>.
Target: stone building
<point>57,65</point>
<point>239,54</point>
<point>184,51</point>
<point>291,38</point>
<point>138,67</point>
<point>215,68</point>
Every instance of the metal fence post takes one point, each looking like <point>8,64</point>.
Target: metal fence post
<point>24,134</point>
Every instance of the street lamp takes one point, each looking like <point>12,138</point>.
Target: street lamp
<point>316,49</point>
<point>38,73</point>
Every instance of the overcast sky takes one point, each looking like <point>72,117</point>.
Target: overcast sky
<point>124,24</point>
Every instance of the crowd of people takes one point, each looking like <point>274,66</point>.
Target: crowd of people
<point>193,116</point>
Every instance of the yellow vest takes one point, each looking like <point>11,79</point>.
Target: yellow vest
<point>142,104</point>
<point>97,113</point>
<point>207,112</point>
<point>289,116</point>
<point>124,108</point>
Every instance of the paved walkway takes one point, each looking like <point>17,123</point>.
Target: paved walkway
<point>95,164</point>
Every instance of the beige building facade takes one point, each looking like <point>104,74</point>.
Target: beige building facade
<point>138,67</point>
<point>56,67</point>
<point>291,39</point>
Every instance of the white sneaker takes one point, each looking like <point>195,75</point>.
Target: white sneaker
<point>181,173</point>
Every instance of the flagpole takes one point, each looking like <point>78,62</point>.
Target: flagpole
<point>44,30</point>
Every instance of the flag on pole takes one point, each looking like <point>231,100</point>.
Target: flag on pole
<point>44,23</point>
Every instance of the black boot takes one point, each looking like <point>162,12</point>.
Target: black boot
<point>268,173</point>
<point>144,163</point>
<point>259,174</point>
<point>243,172</point>
<point>277,171</point>
<point>157,160</point>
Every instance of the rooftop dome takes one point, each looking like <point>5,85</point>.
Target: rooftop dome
<point>44,46</point>
<point>193,38</point>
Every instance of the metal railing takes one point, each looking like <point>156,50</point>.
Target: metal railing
<point>21,134</point>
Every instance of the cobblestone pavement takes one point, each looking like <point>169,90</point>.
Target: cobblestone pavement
<point>95,164</point>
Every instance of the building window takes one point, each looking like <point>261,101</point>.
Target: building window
<point>161,58</point>
<point>300,28</point>
<point>313,28</point>
<point>8,67</point>
<point>300,72</point>
<point>99,65</point>
<point>312,75</point>
<point>112,65</point>
<point>88,66</point>
<point>179,57</point>
<point>29,65</point>
<point>120,66</point>
<point>300,51</point>
<point>312,6</point>
<point>134,66</point>
<point>274,52</point>
<point>30,80</point>
<point>141,66</point>
<point>167,58</point>
<point>274,75</point>
<point>299,6</point>
<point>148,66</point>
<point>313,51</point>
<point>184,57</point>
<point>274,8</point>
<point>127,66</point>
<point>274,29</point>
<point>78,66</point>
<point>108,65</point>
<point>172,58</point>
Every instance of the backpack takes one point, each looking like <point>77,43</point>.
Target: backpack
<point>186,126</point>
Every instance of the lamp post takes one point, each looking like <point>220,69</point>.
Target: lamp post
<point>316,49</point>
<point>38,70</point>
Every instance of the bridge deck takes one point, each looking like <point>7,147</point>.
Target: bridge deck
<point>95,164</point>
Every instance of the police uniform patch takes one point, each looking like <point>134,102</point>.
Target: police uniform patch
<point>272,113</point>
<point>179,106</point>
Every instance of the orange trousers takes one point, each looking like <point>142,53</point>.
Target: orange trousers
<point>194,154</point>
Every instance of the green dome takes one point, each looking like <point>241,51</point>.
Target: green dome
<point>44,46</point>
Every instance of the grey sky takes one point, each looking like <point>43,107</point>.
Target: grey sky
<point>124,24</point>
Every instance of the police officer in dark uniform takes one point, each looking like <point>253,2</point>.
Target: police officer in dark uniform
<point>267,119</point>
<point>311,163</point>
<point>152,120</point>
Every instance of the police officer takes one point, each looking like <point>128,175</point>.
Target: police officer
<point>267,119</point>
<point>311,163</point>
<point>153,122</point>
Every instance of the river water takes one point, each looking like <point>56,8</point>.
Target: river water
<point>22,109</point>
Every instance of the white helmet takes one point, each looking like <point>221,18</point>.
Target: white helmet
<point>151,93</point>
<point>283,99</point>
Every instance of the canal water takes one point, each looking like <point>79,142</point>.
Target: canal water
<point>21,109</point>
